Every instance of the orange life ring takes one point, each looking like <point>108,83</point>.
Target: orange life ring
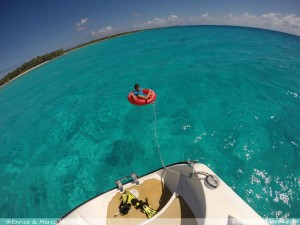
<point>139,101</point>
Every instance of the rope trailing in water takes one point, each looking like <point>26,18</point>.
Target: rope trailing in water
<point>206,175</point>
<point>157,144</point>
<point>156,137</point>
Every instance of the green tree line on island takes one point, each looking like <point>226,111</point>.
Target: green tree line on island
<point>102,39</point>
<point>29,65</point>
<point>41,59</point>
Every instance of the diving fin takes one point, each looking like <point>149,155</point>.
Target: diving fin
<point>149,211</point>
<point>127,197</point>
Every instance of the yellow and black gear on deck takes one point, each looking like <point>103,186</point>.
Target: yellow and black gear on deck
<point>128,198</point>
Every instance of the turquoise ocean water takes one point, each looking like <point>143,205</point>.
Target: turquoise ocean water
<point>227,96</point>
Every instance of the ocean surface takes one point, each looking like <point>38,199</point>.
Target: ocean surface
<point>226,96</point>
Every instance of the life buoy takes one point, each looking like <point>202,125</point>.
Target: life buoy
<point>139,101</point>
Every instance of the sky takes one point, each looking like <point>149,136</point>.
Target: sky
<point>30,28</point>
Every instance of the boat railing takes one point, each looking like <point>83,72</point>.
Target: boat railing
<point>133,177</point>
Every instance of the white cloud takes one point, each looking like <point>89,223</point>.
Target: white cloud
<point>203,19</point>
<point>289,23</point>
<point>173,18</point>
<point>161,22</point>
<point>81,25</point>
<point>104,31</point>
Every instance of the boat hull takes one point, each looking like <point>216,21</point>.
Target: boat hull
<point>185,184</point>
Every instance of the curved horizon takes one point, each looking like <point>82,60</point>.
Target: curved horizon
<point>96,40</point>
<point>30,29</point>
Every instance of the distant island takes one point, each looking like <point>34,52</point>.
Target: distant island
<point>29,65</point>
<point>37,61</point>
<point>101,39</point>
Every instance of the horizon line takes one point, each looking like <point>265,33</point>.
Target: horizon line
<point>116,35</point>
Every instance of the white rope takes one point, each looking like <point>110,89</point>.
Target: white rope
<point>161,158</point>
<point>156,138</point>
<point>157,144</point>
